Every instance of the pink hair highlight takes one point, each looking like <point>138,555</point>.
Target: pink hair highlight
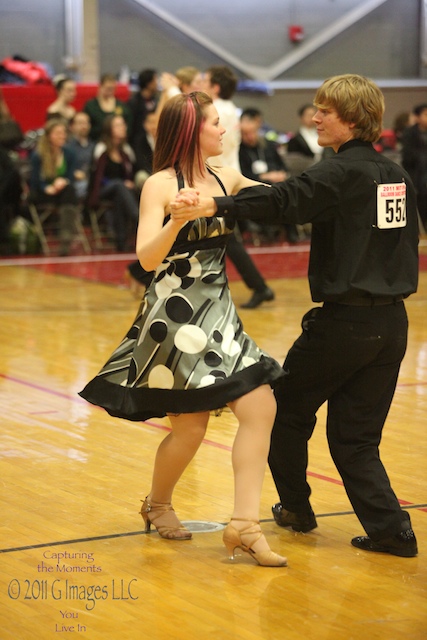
<point>179,129</point>
<point>186,132</point>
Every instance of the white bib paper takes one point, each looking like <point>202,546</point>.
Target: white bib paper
<point>391,205</point>
<point>259,166</point>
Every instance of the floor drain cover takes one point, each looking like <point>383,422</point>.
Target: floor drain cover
<point>200,526</point>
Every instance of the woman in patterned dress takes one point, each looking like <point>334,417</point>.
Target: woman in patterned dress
<point>186,353</point>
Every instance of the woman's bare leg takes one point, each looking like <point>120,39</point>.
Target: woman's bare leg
<point>175,453</point>
<point>255,412</point>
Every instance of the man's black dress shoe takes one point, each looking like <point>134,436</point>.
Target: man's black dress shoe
<point>299,521</point>
<point>258,298</point>
<point>402,544</point>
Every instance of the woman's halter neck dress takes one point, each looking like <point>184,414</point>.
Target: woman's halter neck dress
<point>186,350</point>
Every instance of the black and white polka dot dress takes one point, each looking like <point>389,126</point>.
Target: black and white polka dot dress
<point>186,350</point>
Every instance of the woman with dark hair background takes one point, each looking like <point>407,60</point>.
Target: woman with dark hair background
<point>113,179</point>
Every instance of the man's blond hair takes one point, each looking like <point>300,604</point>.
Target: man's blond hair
<point>357,100</point>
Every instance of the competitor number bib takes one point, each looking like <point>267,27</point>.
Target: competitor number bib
<point>391,205</point>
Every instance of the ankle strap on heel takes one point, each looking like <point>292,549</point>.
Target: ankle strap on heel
<point>245,520</point>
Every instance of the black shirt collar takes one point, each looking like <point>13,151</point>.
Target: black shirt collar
<point>354,143</point>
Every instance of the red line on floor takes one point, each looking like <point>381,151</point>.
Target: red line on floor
<point>161,427</point>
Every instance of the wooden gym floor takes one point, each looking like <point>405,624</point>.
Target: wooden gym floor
<point>74,556</point>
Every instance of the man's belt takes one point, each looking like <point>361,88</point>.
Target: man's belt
<point>373,301</point>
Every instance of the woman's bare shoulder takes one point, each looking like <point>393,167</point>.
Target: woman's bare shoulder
<point>165,176</point>
<point>226,172</point>
<point>161,185</point>
<point>233,180</point>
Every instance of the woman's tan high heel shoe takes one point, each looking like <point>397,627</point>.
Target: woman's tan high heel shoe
<point>232,539</point>
<point>163,516</point>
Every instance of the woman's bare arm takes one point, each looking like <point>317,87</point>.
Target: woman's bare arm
<point>154,239</point>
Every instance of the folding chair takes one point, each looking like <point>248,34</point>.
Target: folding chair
<point>95,216</point>
<point>40,213</point>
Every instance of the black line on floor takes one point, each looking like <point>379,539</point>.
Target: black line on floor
<point>75,541</point>
<point>139,533</point>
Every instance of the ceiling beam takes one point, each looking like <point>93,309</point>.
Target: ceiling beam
<point>284,64</point>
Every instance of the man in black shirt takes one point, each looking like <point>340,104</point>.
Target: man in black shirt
<point>414,157</point>
<point>143,101</point>
<point>363,263</point>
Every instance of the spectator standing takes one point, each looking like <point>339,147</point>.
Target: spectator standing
<point>185,80</point>
<point>189,79</point>
<point>414,157</point>
<point>143,101</point>
<point>10,131</point>
<point>220,84</point>
<point>401,121</point>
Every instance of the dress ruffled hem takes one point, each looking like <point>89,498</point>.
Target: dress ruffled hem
<point>143,403</point>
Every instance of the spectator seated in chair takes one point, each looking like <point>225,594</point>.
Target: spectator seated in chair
<point>260,160</point>
<point>52,180</point>
<point>113,179</point>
